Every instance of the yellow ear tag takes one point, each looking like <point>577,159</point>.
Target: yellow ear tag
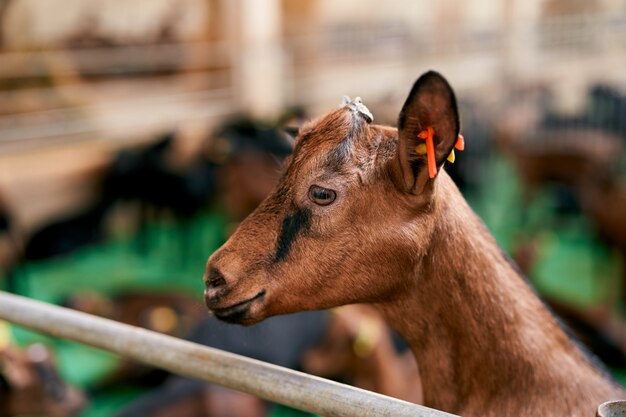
<point>451,157</point>
<point>421,149</point>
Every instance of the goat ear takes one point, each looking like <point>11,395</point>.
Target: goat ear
<point>431,104</point>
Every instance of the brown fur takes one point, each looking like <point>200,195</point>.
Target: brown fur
<point>413,248</point>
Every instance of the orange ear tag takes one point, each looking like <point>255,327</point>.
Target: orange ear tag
<point>460,143</point>
<point>430,150</point>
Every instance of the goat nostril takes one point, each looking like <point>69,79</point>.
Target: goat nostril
<point>215,278</point>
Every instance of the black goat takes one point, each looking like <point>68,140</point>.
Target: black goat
<point>138,175</point>
<point>66,234</point>
<point>605,110</point>
<point>145,177</point>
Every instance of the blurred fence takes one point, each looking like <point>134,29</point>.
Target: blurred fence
<point>316,62</point>
<point>382,58</point>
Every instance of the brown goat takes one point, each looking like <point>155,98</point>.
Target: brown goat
<point>356,218</point>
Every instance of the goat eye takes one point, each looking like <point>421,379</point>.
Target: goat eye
<point>321,196</point>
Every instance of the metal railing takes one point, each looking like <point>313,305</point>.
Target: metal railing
<point>267,381</point>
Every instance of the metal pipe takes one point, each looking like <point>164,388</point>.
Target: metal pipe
<point>612,409</point>
<point>273,383</point>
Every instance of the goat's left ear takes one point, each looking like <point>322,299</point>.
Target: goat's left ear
<point>430,107</point>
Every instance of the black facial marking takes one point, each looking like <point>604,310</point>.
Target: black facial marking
<point>293,225</point>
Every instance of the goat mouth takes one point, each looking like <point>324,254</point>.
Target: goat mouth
<point>237,312</point>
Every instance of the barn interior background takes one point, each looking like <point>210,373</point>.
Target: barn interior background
<point>135,135</point>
